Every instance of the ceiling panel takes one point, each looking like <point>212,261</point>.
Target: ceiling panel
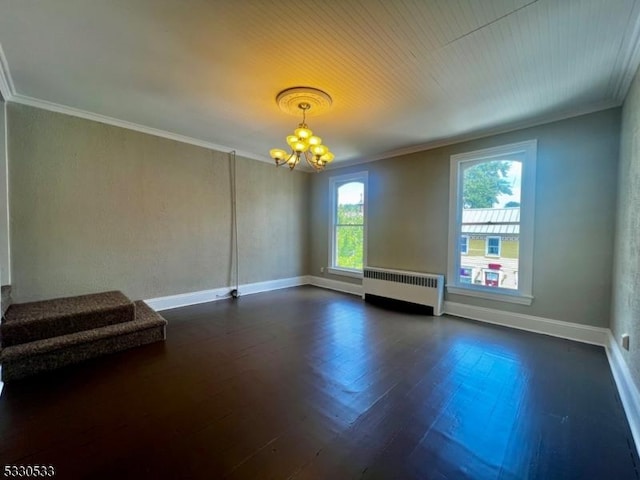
<point>403,74</point>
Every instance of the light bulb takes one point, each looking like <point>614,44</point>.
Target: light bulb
<point>300,146</point>
<point>319,150</point>
<point>303,132</point>
<point>327,157</point>
<point>277,154</point>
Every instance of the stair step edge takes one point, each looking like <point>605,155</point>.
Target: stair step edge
<point>144,322</point>
<point>47,310</point>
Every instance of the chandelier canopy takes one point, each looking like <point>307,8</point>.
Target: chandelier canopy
<point>305,101</point>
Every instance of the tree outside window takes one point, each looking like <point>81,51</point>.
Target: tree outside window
<point>491,222</point>
<point>348,199</point>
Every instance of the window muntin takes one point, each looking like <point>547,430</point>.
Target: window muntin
<point>492,202</point>
<point>347,243</point>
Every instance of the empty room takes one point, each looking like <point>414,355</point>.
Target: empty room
<point>357,239</point>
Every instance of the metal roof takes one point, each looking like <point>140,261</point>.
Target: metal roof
<point>505,221</point>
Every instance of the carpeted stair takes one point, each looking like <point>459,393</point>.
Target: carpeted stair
<point>44,335</point>
<point>5,298</point>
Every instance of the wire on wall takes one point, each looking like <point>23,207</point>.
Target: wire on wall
<point>234,293</point>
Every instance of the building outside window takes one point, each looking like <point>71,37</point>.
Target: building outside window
<point>491,223</point>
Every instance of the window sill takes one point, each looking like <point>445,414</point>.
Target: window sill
<point>345,272</point>
<point>518,298</point>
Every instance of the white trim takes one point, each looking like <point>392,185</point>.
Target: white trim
<point>7,89</point>
<point>258,287</point>
<point>627,389</point>
<point>478,134</point>
<point>530,323</point>
<point>204,296</point>
<point>526,152</point>
<point>96,117</point>
<point>334,183</point>
<point>482,292</point>
<point>352,288</point>
<point>186,299</point>
<point>5,214</point>
<point>345,272</point>
<point>628,59</point>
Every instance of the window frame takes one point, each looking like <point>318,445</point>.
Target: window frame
<point>335,183</point>
<point>525,152</point>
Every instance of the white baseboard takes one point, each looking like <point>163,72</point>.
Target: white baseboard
<point>627,389</point>
<point>269,285</point>
<point>530,323</point>
<point>204,296</point>
<point>337,285</point>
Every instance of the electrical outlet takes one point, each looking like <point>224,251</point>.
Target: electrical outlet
<point>321,269</point>
<point>625,341</point>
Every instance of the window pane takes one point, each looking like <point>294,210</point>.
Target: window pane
<point>493,184</point>
<point>491,223</point>
<point>349,246</point>
<point>493,246</point>
<point>464,244</point>
<point>350,204</point>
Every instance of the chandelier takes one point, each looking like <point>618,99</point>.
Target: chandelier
<point>303,143</point>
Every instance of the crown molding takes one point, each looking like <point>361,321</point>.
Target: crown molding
<point>96,117</point>
<point>592,108</point>
<point>628,59</point>
<point>9,94</point>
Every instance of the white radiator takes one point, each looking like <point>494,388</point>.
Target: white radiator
<point>421,288</point>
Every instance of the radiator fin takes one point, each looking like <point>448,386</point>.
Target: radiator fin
<point>422,281</point>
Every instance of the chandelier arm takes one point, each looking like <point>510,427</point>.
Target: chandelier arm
<point>312,160</point>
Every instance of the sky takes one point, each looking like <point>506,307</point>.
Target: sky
<point>514,178</point>
<point>350,193</point>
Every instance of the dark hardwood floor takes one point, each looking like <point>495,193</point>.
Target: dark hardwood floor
<point>306,383</point>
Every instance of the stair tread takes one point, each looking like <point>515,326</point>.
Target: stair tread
<point>146,318</point>
<point>29,322</point>
<point>65,307</point>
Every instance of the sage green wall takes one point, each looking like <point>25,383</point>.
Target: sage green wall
<point>625,316</point>
<point>577,164</point>
<point>96,207</point>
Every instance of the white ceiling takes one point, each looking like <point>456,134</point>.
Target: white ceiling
<point>403,74</point>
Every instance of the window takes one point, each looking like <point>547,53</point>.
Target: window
<point>466,275</point>
<point>492,202</point>
<point>464,244</point>
<point>492,247</point>
<point>491,279</point>
<point>348,232</point>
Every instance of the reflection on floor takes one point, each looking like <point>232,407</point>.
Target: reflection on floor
<point>306,383</point>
